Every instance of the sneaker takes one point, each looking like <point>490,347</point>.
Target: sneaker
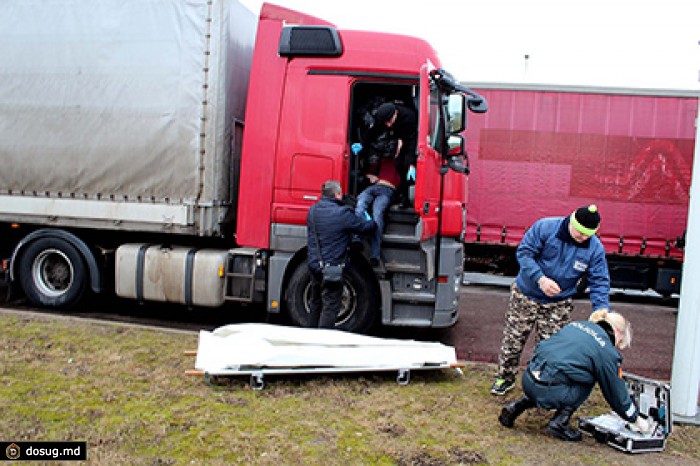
<point>501,386</point>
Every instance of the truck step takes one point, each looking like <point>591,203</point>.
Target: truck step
<point>397,214</point>
<point>399,239</point>
<point>410,314</point>
<point>401,226</point>
<point>403,258</point>
<point>409,296</point>
<point>411,322</point>
<point>240,275</point>
<point>397,266</point>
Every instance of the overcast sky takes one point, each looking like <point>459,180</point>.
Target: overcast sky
<point>621,43</point>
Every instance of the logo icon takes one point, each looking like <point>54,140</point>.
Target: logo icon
<point>13,451</point>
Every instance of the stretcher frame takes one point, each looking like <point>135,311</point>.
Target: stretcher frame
<point>257,374</point>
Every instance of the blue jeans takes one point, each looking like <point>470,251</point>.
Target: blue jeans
<point>379,196</point>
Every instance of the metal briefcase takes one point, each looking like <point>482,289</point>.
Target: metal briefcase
<point>654,401</point>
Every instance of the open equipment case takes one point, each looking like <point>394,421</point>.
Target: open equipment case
<point>653,399</point>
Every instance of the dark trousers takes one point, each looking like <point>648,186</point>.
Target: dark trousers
<point>555,396</point>
<point>325,302</point>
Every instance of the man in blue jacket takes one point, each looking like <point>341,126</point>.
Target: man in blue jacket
<point>565,368</point>
<point>330,226</point>
<point>554,255</point>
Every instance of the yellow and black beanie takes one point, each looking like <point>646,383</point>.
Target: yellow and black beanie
<point>586,219</point>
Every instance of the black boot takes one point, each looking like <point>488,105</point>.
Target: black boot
<point>512,410</point>
<point>559,426</point>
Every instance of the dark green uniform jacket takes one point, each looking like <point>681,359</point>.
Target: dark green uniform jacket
<point>565,368</point>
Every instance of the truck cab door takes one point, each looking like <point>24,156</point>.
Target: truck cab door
<point>427,187</point>
<point>438,190</point>
<point>312,145</point>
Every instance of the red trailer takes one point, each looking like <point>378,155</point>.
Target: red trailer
<point>545,150</point>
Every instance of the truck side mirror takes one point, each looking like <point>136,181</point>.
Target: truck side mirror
<point>455,145</point>
<point>456,113</point>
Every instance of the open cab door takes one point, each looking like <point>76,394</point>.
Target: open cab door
<point>442,169</point>
<point>427,187</point>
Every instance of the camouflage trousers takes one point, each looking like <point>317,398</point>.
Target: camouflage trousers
<point>522,318</point>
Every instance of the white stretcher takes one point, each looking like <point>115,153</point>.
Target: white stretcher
<point>257,350</point>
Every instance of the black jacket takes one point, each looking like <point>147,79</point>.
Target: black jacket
<point>335,223</point>
<point>406,128</point>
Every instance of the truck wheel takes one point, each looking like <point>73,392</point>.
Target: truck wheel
<point>358,311</point>
<point>52,273</point>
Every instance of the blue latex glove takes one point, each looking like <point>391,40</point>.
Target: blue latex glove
<point>367,217</point>
<point>411,175</point>
<point>356,148</point>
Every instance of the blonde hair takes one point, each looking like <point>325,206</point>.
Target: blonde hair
<point>617,322</point>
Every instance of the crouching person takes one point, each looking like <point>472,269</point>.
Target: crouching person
<point>565,368</point>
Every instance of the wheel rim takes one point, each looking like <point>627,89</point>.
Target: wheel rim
<point>52,272</point>
<point>348,303</point>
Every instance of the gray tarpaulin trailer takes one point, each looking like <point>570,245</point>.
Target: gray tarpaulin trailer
<point>117,114</point>
<point>120,130</point>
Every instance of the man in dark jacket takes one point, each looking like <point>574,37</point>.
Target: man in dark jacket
<point>402,122</point>
<point>330,226</point>
<point>565,368</point>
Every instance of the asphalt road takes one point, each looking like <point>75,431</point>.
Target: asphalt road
<point>477,334</point>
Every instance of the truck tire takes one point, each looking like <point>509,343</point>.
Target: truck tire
<point>358,312</point>
<point>52,273</point>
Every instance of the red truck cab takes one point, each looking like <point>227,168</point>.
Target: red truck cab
<point>193,176</point>
<point>308,84</point>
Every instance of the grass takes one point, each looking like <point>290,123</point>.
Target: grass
<point>123,390</point>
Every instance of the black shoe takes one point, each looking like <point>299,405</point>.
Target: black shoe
<point>512,410</point>
<point>374,262</point>
<point>559,426</point>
